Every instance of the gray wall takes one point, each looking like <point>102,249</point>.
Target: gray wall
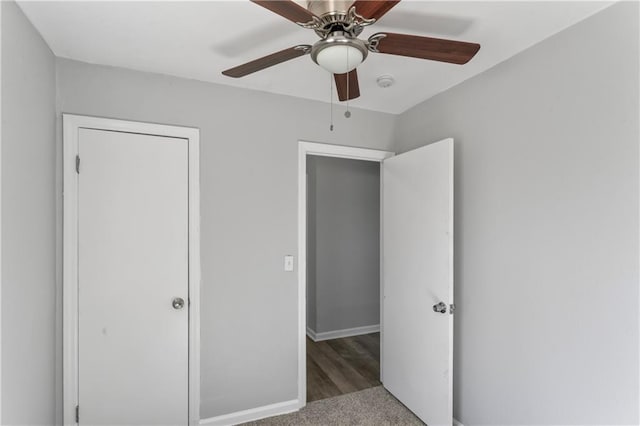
<point>28,223</point>
<point>344,243</point>
<point>546,228</point>
<point>249,212</point>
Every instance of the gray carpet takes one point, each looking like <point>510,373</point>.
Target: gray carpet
<point>371,407</point>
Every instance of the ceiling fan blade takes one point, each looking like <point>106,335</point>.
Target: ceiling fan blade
<point>287,9</point>
<point>353,91</point>
<point>268,61</point>
<point>435,49</point>
<point>374,8</point>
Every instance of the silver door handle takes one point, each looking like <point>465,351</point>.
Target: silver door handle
<point>177,303</point>
<point>440,307</point>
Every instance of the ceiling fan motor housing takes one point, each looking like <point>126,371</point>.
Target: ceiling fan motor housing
<point>322,7</point>
<point>329,16</point>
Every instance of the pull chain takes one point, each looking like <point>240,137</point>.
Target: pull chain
<point>347,113</point>
<point>331,101</point>
<point>348,93</point>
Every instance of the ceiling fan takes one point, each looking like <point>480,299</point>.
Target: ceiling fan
<point>338,23</point>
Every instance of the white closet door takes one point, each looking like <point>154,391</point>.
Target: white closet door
<point>417,271</point>
<point>133,262</point>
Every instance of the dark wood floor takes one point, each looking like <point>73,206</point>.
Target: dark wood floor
<point>339,366</point>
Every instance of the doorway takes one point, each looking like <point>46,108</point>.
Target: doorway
<point>343,276</point>
<point>308,150</point>
<point>416,274</point>
<point>131,273</point>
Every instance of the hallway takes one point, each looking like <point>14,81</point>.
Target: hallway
<point>340,366</point>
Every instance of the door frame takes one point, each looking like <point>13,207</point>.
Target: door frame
<point>71,125</point>
<point>323,150</point>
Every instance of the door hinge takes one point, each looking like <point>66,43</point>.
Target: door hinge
<point>78,164</point>
<point>452,308</point>
<point>77,414</point>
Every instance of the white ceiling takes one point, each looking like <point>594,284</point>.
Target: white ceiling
<point>198,40</point>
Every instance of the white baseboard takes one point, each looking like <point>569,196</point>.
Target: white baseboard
<point>456,422</point>
<point>311,334</point>
<point>253,414</point>
<point>347,332</point>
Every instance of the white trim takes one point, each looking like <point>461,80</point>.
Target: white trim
<point>638,17</point>
<point>1,222</point>
<point>381,266</point>
<point>71,126</point>
<point>346,332</point>
<point>451,266</point>
<point>253,414</point>
<point>341,151</point>
<point>311,334</point>
<point>324,150</point>
<point>195,274</point>
<point>456,422</point>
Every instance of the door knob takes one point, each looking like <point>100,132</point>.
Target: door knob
<point>440,307</point>
<point>178,303</point>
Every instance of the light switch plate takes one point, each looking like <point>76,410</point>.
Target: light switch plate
<point>288,263</point>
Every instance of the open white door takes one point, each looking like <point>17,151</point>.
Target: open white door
<point>417,274</point>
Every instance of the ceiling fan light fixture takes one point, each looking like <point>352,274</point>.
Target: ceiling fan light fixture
<point>339,53</point>
<point>339,59</point>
